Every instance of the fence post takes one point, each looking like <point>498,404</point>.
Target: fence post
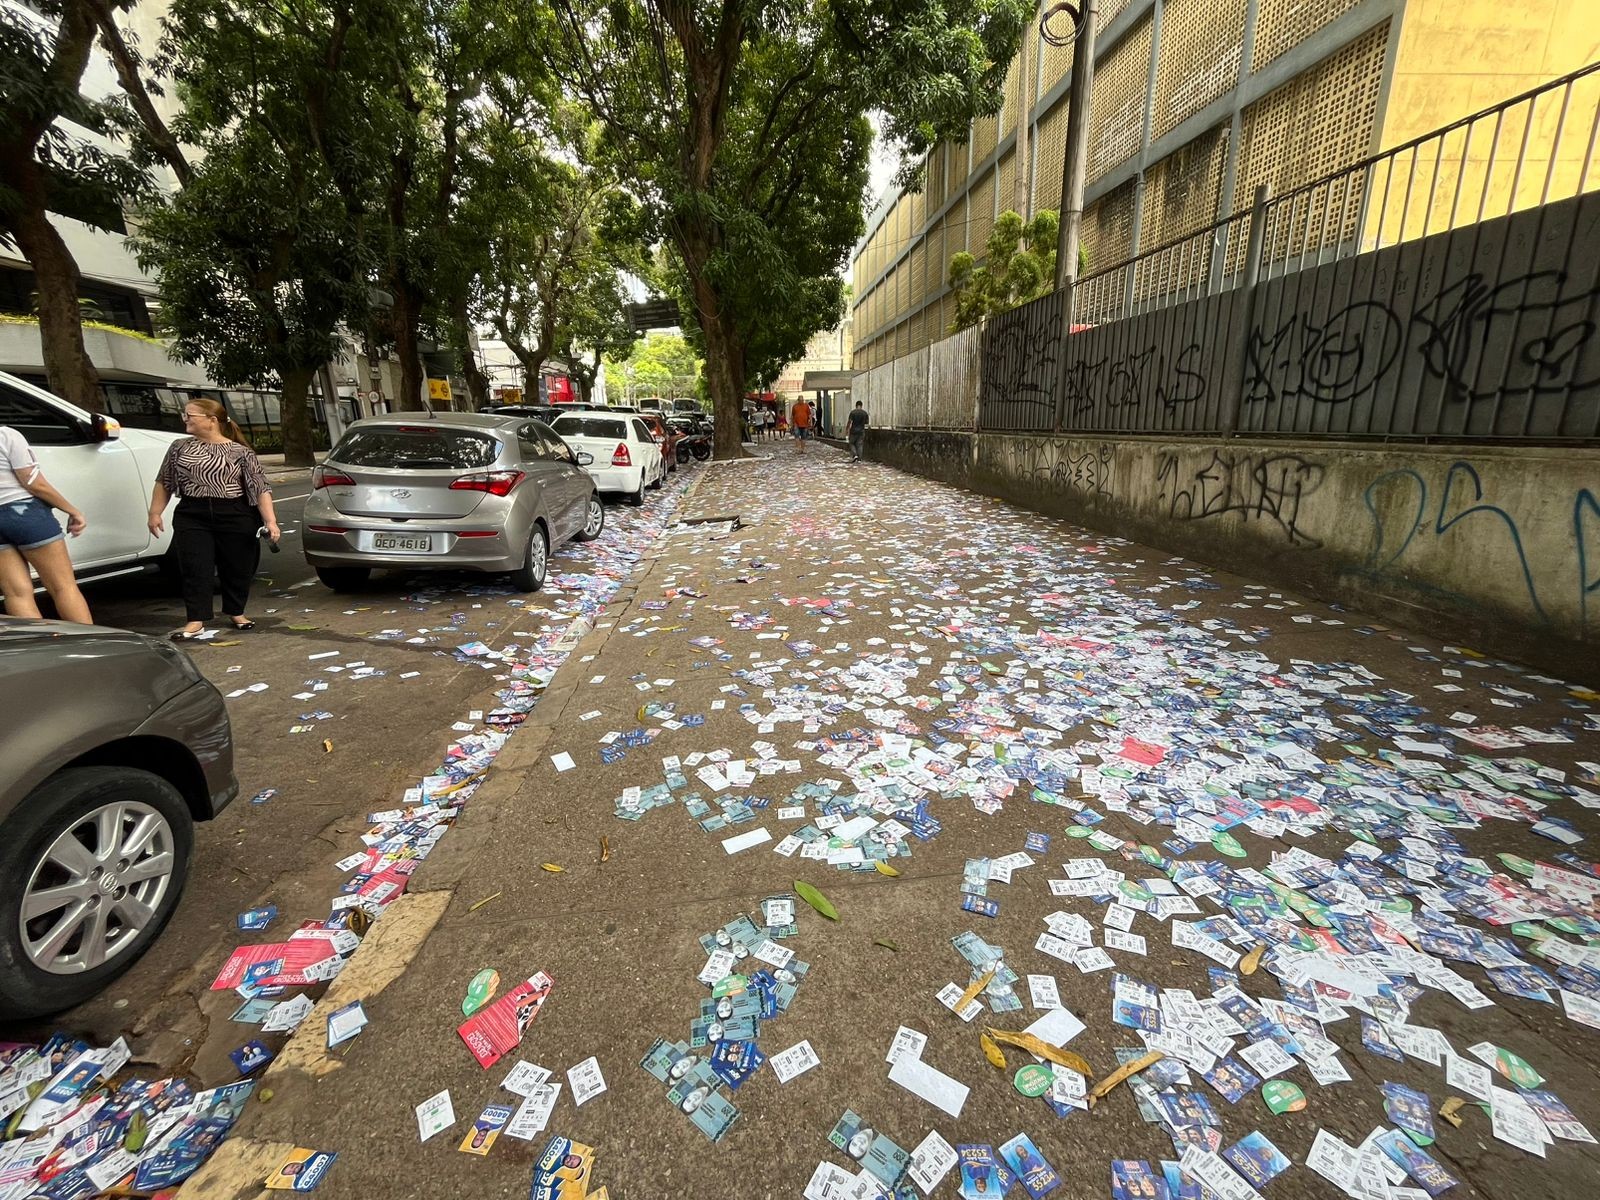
<point>1254,250</point>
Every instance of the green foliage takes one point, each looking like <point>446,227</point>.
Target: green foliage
<point>661,364</point>
<point>44,118</point>
<point>556,231</point>
<point>257,260</point>
<point>743,123</point>
<point>1019,265</point>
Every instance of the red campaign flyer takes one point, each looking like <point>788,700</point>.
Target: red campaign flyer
<point>499,1026</point>
<point>296,956</point>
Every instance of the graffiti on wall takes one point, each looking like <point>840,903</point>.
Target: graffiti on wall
<point>1020,350</point>
<point>1524,336</point>
<point>1471,322</point>
<point>1586,537</point>
<point>1271,488</point>
<point>1410,517</point>
<point>1335,362</point>
<point>1055,465</point>
<point>1132,379</point>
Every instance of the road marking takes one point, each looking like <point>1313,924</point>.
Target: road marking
<point>276,499</point>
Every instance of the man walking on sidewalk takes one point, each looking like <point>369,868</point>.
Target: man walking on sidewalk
<point>856,424</point>
<point>800,418</point>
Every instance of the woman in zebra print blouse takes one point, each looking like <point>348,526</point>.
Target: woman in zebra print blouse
<point>224,498</point>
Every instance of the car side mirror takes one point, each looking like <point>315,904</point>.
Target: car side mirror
<point>102,428</point>
<point>584,458</point>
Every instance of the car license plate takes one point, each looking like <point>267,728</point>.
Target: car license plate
<point>405,543</point>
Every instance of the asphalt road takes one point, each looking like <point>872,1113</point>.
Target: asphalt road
<point>386,732</point>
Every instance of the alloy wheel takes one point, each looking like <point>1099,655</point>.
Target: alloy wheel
<point>96,887</point>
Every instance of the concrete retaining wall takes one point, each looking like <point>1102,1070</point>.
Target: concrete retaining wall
<point>1497,548</point>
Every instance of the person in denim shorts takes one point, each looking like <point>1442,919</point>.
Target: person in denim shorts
<point>31,536</point>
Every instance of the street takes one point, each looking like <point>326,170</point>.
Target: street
<point>868,645</point>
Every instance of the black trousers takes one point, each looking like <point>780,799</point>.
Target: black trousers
<point>216,538</point>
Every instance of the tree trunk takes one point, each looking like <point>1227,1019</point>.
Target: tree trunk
<point>295,415</point>
<point>407,318</point>
<point>66,363</point>
<point>477,381</point>
<point>724,353</point>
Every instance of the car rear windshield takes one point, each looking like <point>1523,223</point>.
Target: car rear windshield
<point>570,425</point>
<point>418,446</point>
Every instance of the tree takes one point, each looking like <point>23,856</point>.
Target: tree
<point>744,122</point>
<point>663,364</point>
<point>258,267</point>
<point>564,231</point>
<point>56,156</point>
<point>270,247</point>
<point>1019,265</point>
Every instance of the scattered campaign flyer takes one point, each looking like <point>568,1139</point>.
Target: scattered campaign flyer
<point>300,1171</point>
<point>498,1027</point>
<point>1036,1175</point>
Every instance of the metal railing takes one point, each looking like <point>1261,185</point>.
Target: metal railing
<point>1524,152</point>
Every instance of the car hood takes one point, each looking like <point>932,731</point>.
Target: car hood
<point>23,641</point>
<point>150,439</point>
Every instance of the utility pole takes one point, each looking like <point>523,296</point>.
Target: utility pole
<point>1076,166</point>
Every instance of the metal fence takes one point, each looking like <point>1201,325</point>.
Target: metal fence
<point>1444,288</point>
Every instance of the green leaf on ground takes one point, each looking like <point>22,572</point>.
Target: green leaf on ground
<point>816,899</point>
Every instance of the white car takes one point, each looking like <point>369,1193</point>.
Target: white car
<point>106,470</point>
<point>626,456</point>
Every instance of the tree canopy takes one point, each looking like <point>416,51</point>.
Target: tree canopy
<point>1019,265</point>
<point>743,122</point>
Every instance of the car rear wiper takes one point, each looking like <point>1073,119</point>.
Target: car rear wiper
<point>423,462</point>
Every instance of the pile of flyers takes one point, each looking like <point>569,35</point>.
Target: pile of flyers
<point>74,1133</point>
<point>743,997</point>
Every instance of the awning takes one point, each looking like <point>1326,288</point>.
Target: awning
<point>828,381</point>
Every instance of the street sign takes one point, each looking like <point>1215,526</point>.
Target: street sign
<point>438,389</point>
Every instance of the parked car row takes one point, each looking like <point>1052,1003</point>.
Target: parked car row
<point>124,745</point>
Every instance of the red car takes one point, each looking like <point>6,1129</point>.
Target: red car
<point>666,437</point>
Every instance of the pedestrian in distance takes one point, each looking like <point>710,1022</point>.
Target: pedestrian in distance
<point>224,501</point>
<point>857,428</point>
<point>31,536</point>
<point>800,420</point>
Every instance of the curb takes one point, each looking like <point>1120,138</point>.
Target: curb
<point>241,1164</point>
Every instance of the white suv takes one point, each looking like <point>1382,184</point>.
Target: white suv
<point>106,470</point>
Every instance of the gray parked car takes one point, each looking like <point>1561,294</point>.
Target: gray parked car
<point>453,491</point>
<point>113,745</point>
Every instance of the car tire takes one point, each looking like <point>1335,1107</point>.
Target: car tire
<point>636,497</point>
<point>59,810</point>
<point>661,477</point>
<point>344,579</point>
<point>594,520</point>
<point>529,577</point>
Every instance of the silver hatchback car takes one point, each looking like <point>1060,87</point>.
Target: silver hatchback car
<point>447,492</point>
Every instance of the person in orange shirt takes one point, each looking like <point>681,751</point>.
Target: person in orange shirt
<point>800,420</point>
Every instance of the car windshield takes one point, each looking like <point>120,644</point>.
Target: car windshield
<point>419,446</point>
<point>571,425</point>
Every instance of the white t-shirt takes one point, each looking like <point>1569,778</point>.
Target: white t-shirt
<point>16,464</point>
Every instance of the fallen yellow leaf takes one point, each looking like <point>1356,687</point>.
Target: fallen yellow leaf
<point>1122,1072</point>
<point>552,867</point>
<point>884,868</point>
<point>605,849</point>
<point>976,986</point>
<point>992,1052</point>
<point>1037,1045</point>
<point>1248,964</point>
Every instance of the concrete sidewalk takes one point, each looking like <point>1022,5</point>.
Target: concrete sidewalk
<point>822,615</point>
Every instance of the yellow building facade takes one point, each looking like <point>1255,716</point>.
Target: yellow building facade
<point>1198,102</point>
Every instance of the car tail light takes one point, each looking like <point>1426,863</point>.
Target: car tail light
<point>322,477</point>
<point>325,529</point>
<point>496,483</point>
<point>620,456</point>
<point>476,533</point>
